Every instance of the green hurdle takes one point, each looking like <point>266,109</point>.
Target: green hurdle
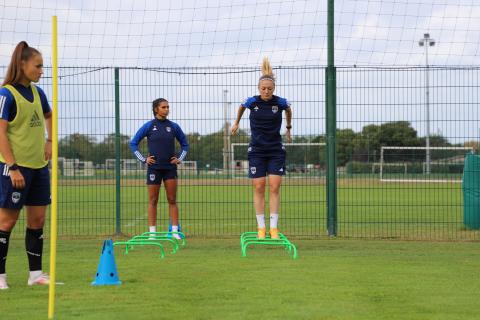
<point>131,243</point>
<point>154,239</point>
<point>250,238</point>
<point>167,236</point>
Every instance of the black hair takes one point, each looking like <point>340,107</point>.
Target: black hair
<point>156,102</point>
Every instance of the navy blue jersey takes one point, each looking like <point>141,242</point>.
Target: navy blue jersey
<point>161,135</point>
<point>265,123</point>
<point>8,106</point>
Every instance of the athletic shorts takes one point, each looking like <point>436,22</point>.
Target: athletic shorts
<point>35,193</point>
<point>261,165</point>
<point>156,176</point>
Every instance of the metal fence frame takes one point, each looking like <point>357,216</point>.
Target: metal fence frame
<point>364,96</point>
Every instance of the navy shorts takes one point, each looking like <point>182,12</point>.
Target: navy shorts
<point>156,176</point>
<point>261,165</point>
<point>35,193</point>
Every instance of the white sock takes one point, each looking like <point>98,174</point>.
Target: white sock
<point>176,235</point>
<point>152,229</point>
<point>261,220</point>
<point>273,220</point>
<point>3,275</point>
<point>35,274</point>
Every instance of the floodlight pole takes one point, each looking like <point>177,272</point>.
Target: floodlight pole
<point>426,42</point>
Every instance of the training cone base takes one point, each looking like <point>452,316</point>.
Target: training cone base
<point>107,269</point>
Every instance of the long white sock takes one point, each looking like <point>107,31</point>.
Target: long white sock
<point>261,220</point>
<point>273,220</point>
<point>152,229</point>
<point>174,228</point>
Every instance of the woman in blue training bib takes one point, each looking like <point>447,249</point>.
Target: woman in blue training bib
<point>162,161</point>
<point>266,153</point>
<point>25,118</point>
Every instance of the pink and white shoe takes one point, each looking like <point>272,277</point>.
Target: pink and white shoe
<point>43,279</point>
<point>3,282</point>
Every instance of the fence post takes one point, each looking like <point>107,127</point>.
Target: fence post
<point>118,229</point>
<point>331,126</point>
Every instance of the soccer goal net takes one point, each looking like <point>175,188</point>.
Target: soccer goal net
<point>187,168</point>
<point>421,164</point>
<point>76,168</point>
<point>128,167</point>
<point>304,159</point>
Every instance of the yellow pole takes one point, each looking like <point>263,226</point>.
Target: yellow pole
<point>53,207</point>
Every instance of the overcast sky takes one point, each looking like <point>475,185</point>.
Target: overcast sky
<point>238,33</point>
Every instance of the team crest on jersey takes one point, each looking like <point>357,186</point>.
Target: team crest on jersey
<point>154,128</point>
<point>274,109</point>
<point>168,129</point>
<point>16,197</point>
<point>253,170</point>
<point>152,177</point>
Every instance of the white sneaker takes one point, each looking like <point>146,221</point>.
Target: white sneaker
<point>3,282</point>
<point>43,279</point>
<point>177,236</point>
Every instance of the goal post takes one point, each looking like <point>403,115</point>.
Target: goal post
<point>77,168</point>
<point>407,164</point>
<point>188,168</point>
<point>128,166</point>
<point>131,167</point>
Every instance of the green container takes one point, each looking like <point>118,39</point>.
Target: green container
<point>471,192</point>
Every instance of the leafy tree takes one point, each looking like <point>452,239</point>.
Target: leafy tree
<point>345,145</point>
<point>106,149</point>
<point>77,146</point>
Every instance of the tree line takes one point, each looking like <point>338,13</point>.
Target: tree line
<point>363,146</point>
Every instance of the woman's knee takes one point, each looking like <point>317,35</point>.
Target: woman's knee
<point>153,201</point>
<point>172,200</point>
<point>8,219</point>
<point>259,187</point>
<point>275,189</point>
<point>36,223</point>
<point>7,224</point>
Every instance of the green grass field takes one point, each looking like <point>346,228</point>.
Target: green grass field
<point>367,208</point>
<point>331,279</point>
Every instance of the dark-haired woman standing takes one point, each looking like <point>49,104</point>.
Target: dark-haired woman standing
<point>161,161</point>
